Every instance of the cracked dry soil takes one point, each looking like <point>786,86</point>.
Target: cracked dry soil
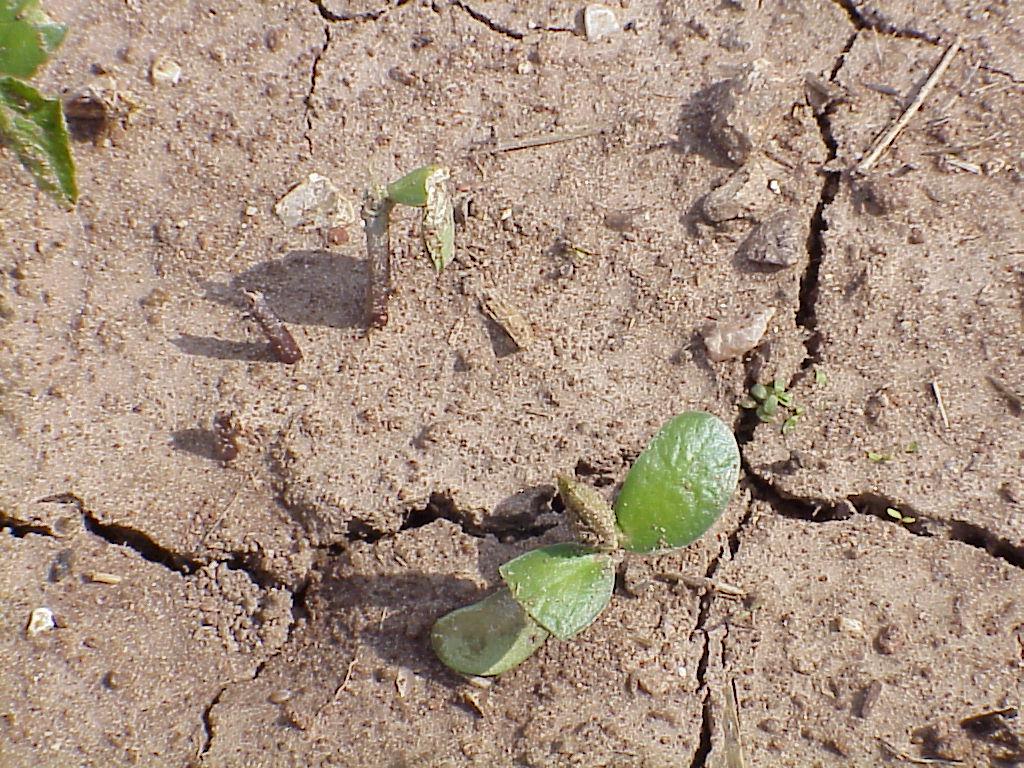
<point>274,610</point>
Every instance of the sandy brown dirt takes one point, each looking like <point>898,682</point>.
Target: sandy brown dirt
<point>274,609</point>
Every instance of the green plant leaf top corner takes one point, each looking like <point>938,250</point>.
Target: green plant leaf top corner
<point>27,37</point>
<point>33,128</point>
<point>488,637</point>
<point>563,587</point>
<point>679,485</point>
<point>412,188</point>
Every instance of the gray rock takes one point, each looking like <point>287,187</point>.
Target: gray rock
<point>779,241</point>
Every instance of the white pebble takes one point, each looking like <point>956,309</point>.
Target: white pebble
<point>41,620</point>
<point>849,626</point>
<point>165,72</point>
<point>599,22</point>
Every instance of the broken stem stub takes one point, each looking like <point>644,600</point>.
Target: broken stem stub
<point>376,215</point>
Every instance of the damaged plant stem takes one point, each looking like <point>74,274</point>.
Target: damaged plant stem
<point>425,188</point>
<point>674,492</point>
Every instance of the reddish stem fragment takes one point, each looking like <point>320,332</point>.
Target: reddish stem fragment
<point>282,343</point>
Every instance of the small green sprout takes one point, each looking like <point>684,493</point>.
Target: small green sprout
<point>425,188</point>
<point>674,492</point>
<point>899,517</point>
<point>766,400</point>
<point>878,458</point>
<point>820,377</point>
<point>31,126</point>
<point>912,447</point>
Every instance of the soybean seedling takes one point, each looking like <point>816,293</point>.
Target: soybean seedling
<point>767,400</point>
<point>673,493</point>
<point>899,517</point>
<point>425,188</point>
<point>32,126</point>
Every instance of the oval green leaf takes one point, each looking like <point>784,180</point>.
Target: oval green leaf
<point>680,484</point>
<point>488,637</point>
<point>411,189</point>
<point>562,587</point>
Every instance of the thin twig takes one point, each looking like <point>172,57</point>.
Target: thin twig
<point>731,735</point>
<point>551,138</point>
<point>889,134</point>
<point>938,401</point>
<point>348,676</point>
<point>901,755</point>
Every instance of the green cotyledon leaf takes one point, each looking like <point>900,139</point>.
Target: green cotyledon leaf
<point>488,637</point>
<point>679,485</point>
<point>562,587</point>
<point>33,128</point>
<point>412,188</point>
<point>27,37</point>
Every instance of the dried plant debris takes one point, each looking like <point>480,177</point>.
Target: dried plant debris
<point>439,220</point>
<point>377,228</point>
<point>728,339</point>
<point>776,242</point>
<point>741,109</point>
<point>282,343</point>
<point>508,317</point>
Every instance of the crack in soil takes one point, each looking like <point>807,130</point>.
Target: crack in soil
<point>703,751</point>
<point>207,725</point>
<point>514,527</point>
<point>19,529</point>
<point>876,21</point>
<point>145,546</point>
<point>313,75</point>
<point>818,510</point>
<point>329,15</point>
<point>487,21</point>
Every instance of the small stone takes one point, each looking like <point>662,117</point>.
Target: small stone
<point>849,626</point>
<point>599,22</point>
<point>741,112</point>
<point>40,620</point>
<point>113,680</point>
<point>60,569</point>
<point>726,340</point>
<point>865,701</point>
<point>889,640</point>
<point>619,221</point>
<point>165,72</point>
<point>337,235</point>
<point>316,202</point>
<point>251,210</point>
<point>743,195</point>
<point>777,241</point>
<point>280,696</point>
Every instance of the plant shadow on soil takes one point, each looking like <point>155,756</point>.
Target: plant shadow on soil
<point>304,288</point>
<point>408,605</point>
